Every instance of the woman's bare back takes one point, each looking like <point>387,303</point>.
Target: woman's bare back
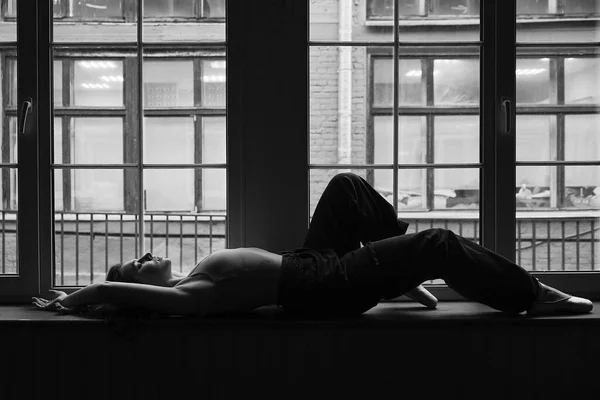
<point>240,279</point>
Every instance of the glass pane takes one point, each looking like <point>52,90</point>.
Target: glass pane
<point>533,81</point>
<point>98,190</point>
<point>96,9</point>
<point>9,142</point>
<point>95,21</point>
<point>213,83</point>
<point>58,83</point>
<point>536,137</point>
<point>98,83</point>
<point>456,139</point>
<point>456,7</point>
<point>529,7</point>
<point>384,9</point>
<point>8,223</point>
<point>582,187</point>
<point>344,21</point>
<point>543,21</point>
<point>91,238</point>
<point>536,188</point>
<point>214,140</point>
<point>582,7</point>
<point>410,82</point>
<point>456,189</point>
<point>582,80</point>
<point>184,20</point>
<point>555,240</point>
<point>168,84</point>
<point>11,79</point>
<point>581,137</point>
<point>169,190</point>
<point>169,140</point>
<point>338,119</point>
<point>92,141</point>
<point>412,195</point>
<point>456,81</point>
<point>411,140</point>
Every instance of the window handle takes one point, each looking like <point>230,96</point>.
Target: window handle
<point>507,111</point>
<point>27,104</point>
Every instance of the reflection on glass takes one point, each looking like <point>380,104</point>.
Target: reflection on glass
<point>582,187</point>
<point>384,9</point>
<point>533,81</point>
<point>534,188</point>
<point>533,7</point>
<point>213,83</point>
<point>213,8</point>
<point>581,137</point>
<point>582,80</point>
<point>98,83</point>
<point>169,140</point>
<point>455,7</point>
<point>456,189</point>
<point>582,7</point>
<point>214,140</point>
<point>409,79</point>
<point>456,139</point>
<point>456,81</point>
<point>8,222</point>
<point>534,135</point>
<point>168,84</point>
<point>90,9</point>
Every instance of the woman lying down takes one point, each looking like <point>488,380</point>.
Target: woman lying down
<point>355,254</point>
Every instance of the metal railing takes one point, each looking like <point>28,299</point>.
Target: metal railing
<point>87,244</point>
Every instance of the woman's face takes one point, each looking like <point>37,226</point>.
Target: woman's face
<point>149,269</point>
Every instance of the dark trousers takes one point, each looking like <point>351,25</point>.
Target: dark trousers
<point>350,213</point>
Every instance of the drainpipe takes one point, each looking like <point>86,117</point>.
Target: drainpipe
<point>345,83</point>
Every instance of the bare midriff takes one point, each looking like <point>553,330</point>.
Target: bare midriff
<point>245,278</point>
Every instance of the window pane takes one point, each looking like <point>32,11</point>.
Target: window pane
<point>213,83</point>
<point>581,137</point>
<point>582,187</point>
<point>214,190</point>
<point>8,223</point>
<point>11,78</point>
<point>456,81</point>
<point>214,140</point>
<point>409,79</point>
<point>582,81</point>
<point>213,9</point>
<point>97,141</point>
<point>536,140</point>
<point>411,140</point>
<point>534,187</point>
<point>169,140</point>
<point>380,9</point>
<point>533,81</point>
<point>98,83</point>
<point>168,84</point>
<point>95,21</point>
<point>582,7</point>
<point>58,82</point>
<point>455,7</point>
<point>169,8</point>
<point>456,139</point>
<point>456,189</point>
<point>169,190</point>
<point>9,144</point>
<point>338,105</point>
<point>97,190</point>
<point>96,9</point>
<point>532,7</point>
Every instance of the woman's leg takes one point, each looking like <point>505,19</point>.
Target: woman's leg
<point>473,271</point>
<point>351,212</point>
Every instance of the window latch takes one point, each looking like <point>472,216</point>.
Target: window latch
<point>507,111</point>
<point>27,104</point>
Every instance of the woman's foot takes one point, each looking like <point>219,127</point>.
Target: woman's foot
<point>552,301</point>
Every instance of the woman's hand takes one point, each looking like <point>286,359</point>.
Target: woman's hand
<point>52,304</point>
